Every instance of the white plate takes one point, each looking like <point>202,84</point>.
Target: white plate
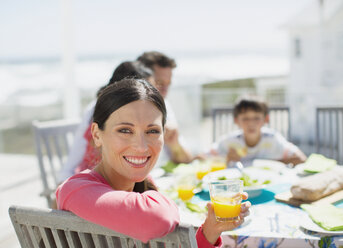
<point>253,172</point>
<point>272,165</point>
<point>308,224</point>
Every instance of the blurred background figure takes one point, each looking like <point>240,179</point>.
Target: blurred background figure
<point>162,67</point>
<point>254,140</point>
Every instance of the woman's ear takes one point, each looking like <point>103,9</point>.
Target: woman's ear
<point>96,134</point>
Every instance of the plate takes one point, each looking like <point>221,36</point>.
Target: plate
<point>309,225</point>
<point>253,172</point>
<point>268,164</point>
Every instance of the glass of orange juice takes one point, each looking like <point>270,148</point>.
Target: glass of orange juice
<point>218,163</point>
<point>186,187</point>
<point>202,170</point>
<point>226,196</point>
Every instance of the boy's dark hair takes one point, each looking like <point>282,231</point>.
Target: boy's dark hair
<point>253,103</point>
<point>149,59</point>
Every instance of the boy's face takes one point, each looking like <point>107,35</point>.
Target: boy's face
<point>251,123</point>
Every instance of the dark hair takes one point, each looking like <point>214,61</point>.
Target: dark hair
<point>253,103</point>
<point>149,59</point>
<point>128,69</point>
<point>123,92</point>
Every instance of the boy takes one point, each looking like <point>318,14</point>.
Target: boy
<point>253,140</point>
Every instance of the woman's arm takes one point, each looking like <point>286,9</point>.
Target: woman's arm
<point>178,153</point>
<point>143,216</point>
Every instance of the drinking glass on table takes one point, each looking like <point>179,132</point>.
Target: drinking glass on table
<point>202,170</point>
<point>186,185</point>
<point>226,196</point>
<point>218,163</point>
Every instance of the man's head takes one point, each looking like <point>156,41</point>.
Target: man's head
<point>250,114</point>
<point>162,67</point>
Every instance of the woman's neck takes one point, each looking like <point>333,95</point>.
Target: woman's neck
<point>116,181</point>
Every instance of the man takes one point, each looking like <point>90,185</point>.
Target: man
<point>162,67</point>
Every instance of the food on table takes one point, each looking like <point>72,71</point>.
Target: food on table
<point>248,181</point>
<point>169,166</point>
<point>195,208</point>
<point>318,163</point>
<point>316,186</point>
<point>242,152</point>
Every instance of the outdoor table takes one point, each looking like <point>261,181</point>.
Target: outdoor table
<point>270,224</point>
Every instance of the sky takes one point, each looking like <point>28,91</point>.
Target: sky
<point>33,28</point>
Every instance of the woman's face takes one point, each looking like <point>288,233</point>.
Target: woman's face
<point>131,140</point>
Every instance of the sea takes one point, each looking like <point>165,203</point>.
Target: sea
<point>34,88</point>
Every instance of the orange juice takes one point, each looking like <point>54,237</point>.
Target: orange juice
<point>227,208</point>
<point>202,172</point>
<point>185,192</point>
<point>215,166</point>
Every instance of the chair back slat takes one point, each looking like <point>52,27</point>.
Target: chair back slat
<point>72,239</point>
<point>55,228</point>
<point>46,236</point>
<point>52,140</point>
<point>34,235</point>
<point>86,240</point>
<point>99,240</point>
<point>58,145</point>
<point>329,132</point>
<point>124,242</point>
<point>223,121</point>
<point>110,241</point>
<point>27,236</point>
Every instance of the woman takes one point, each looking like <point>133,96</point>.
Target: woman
<point>127,127</point>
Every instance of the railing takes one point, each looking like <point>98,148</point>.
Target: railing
<point>223,121</point>
<point>329,132</point>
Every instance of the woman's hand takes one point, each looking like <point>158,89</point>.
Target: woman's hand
<point>212,228</point>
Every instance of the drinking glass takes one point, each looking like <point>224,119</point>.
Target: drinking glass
<point>185,187</point>
<point>218,163</point>
<point>226,196</point>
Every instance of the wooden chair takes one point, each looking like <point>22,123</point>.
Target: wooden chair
<point>55,228</point>
<point>329,132</point>
<point>223,121</point>
<point>53,140</point>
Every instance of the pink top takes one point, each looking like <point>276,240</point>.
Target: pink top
<point>92,156</point>
<point>89,196</point>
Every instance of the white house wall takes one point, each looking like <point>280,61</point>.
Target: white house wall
<point>316,78</point>
<point>304,83</point>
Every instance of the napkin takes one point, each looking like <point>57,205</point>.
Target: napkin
<point>326,216</point>
<point>318,163</point>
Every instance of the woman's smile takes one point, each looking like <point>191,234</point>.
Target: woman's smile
<point>137,161</point>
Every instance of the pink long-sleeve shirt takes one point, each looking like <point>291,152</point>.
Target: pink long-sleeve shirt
<point>89,196</point>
